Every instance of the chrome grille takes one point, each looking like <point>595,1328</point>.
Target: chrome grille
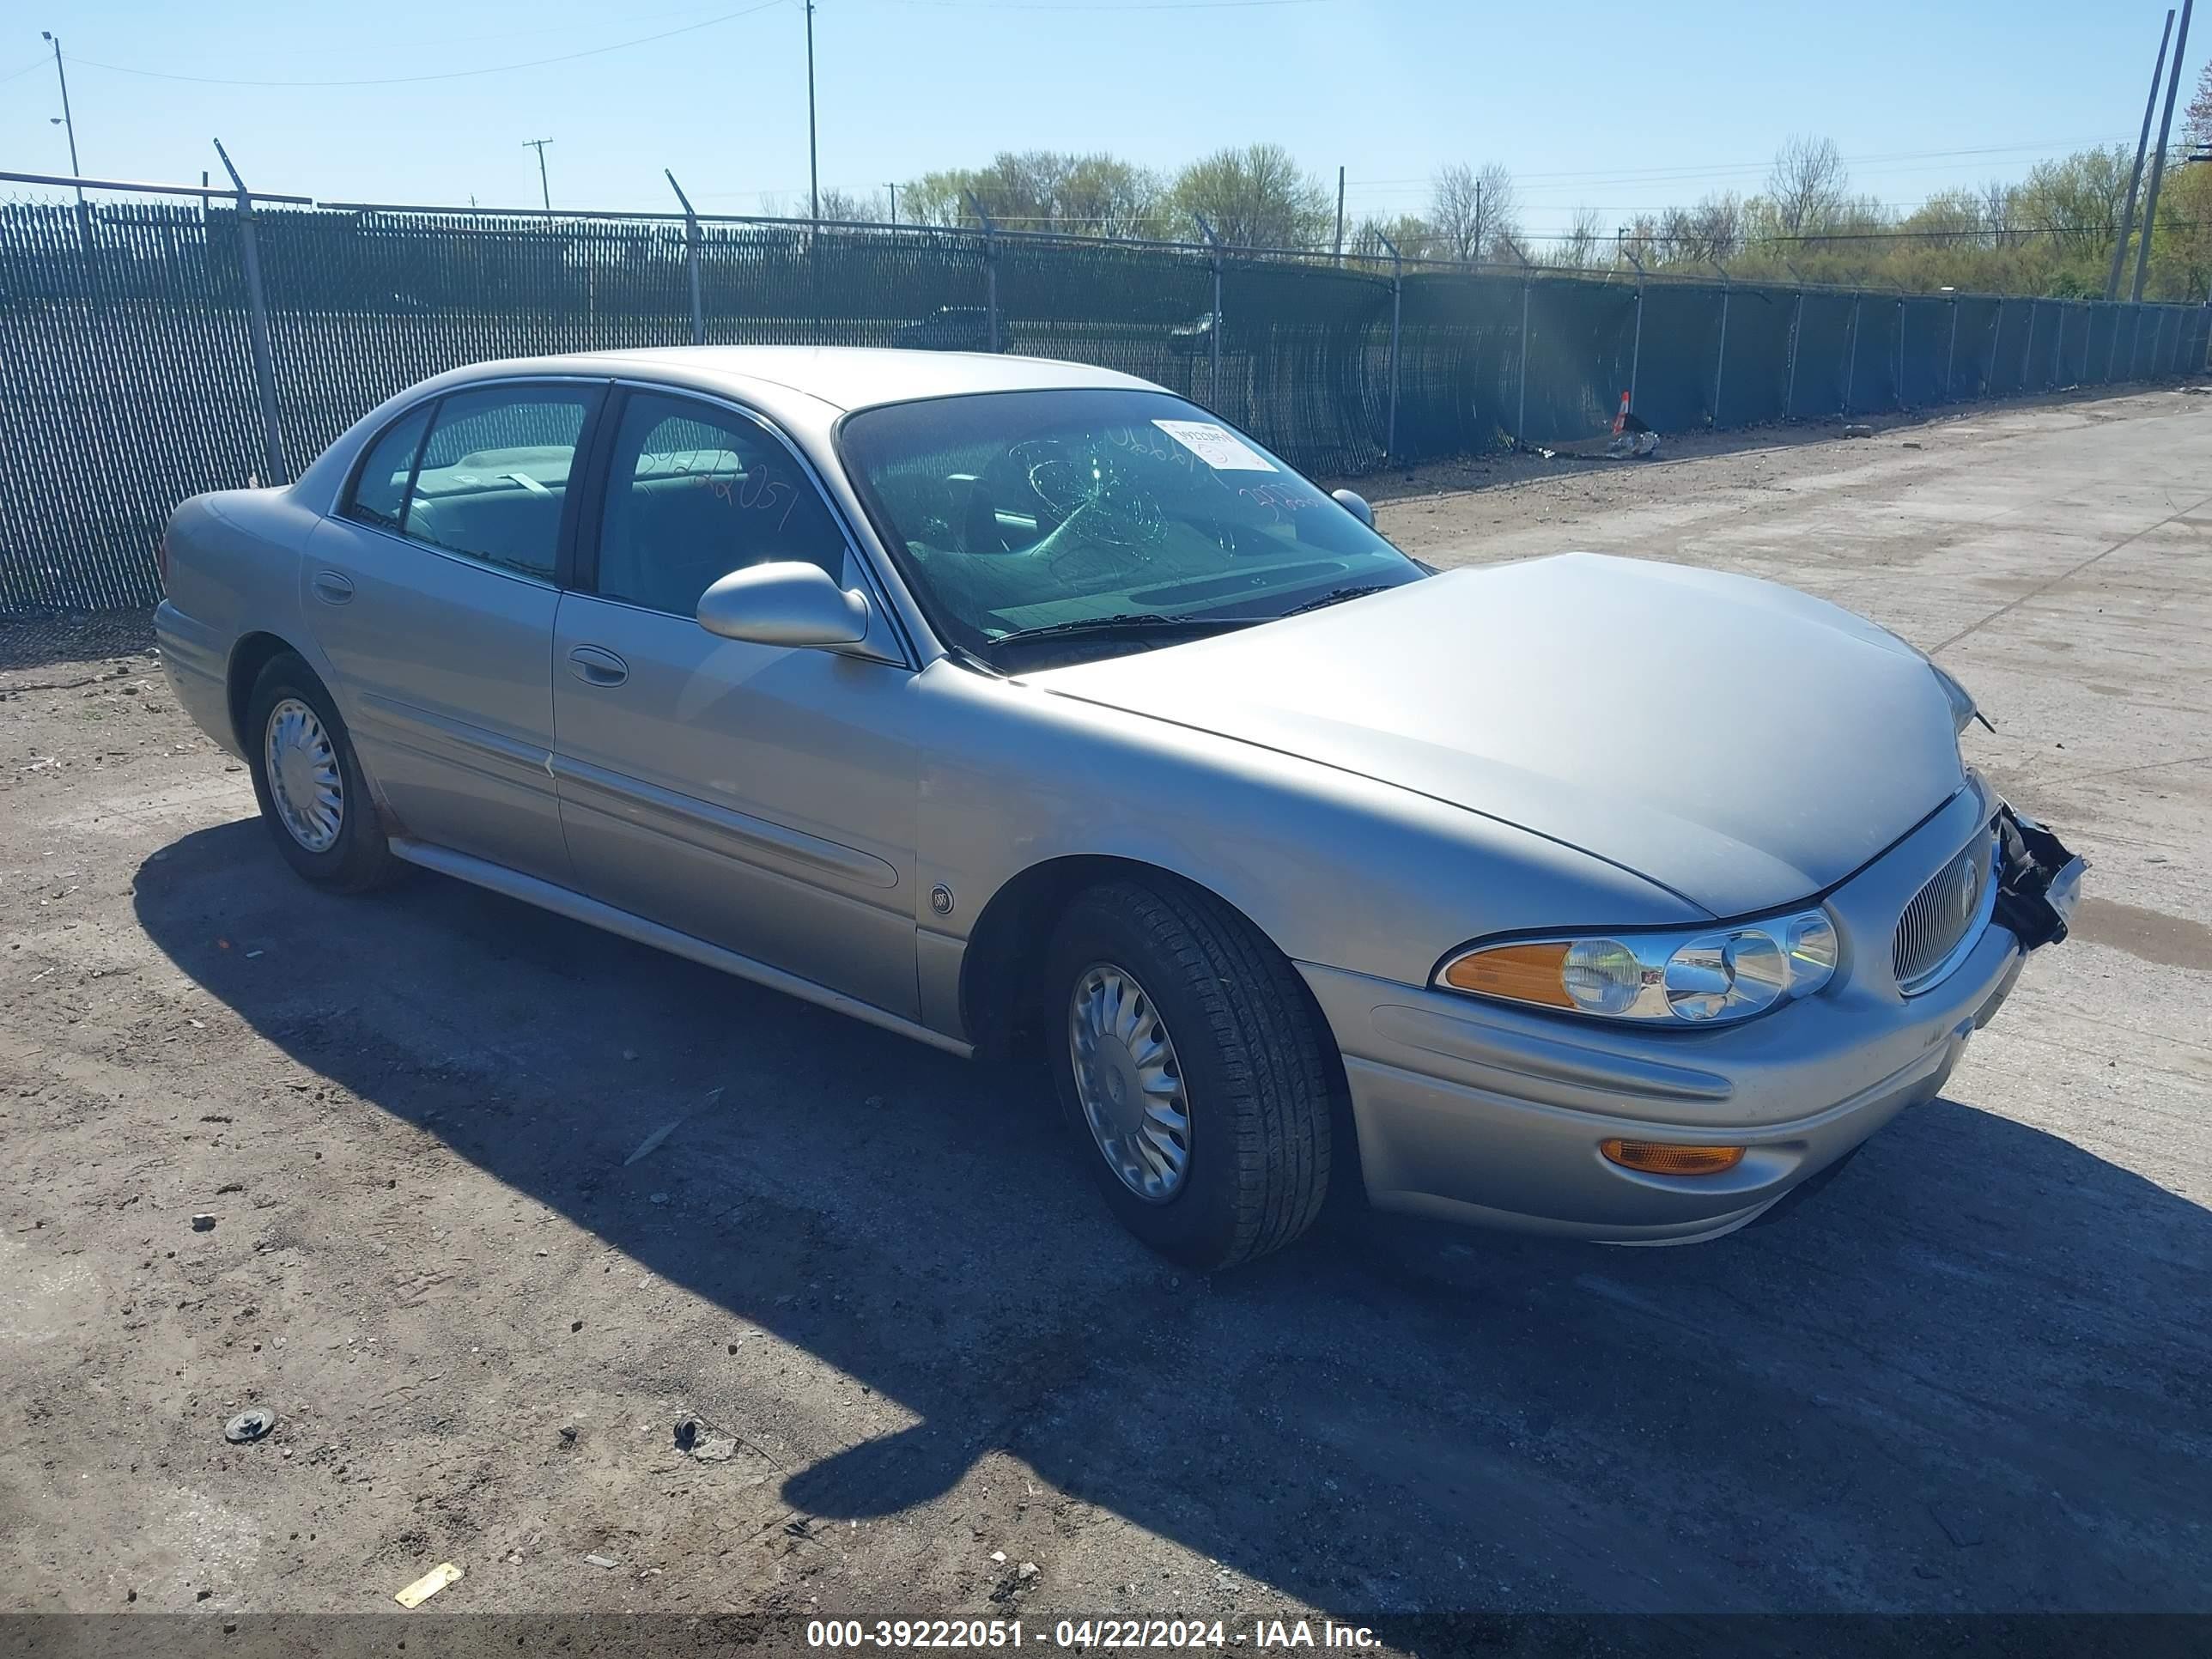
<point>1942,915</point>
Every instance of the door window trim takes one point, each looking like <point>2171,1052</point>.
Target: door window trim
<point>599,397</point>
<point>592,509</point>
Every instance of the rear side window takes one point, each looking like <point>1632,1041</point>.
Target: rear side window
<point>379,488</point>
<point>494,475</point>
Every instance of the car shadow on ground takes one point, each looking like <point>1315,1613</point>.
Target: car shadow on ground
<point>1972,1373</point>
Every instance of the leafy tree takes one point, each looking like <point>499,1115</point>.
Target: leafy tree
<point>1084,195</point>
<point>1255,196</point>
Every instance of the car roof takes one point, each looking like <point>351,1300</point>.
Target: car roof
<point>856,377</point>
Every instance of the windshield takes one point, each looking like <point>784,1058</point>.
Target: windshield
<point>1018,511</point>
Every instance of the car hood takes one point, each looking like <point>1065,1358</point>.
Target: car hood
<point>1740,744</point>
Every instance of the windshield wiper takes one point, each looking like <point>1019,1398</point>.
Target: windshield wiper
<point>1129,622</point>
<point>1337,596</point>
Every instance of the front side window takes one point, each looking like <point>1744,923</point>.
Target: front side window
<point>694,492</point>
<point>1014,513</point>
<point>494,475</point>
<point>379,488</point>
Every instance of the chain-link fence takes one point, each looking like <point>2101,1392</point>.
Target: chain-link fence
<point>130,377</point>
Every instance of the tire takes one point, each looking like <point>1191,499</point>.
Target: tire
<point>1253,1066</point>
<point>356,858</point>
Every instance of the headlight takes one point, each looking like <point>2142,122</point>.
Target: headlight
<point>1699,976</point>
<point>1963,709</point>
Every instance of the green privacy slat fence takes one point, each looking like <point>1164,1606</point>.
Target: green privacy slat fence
<point>127,378</point>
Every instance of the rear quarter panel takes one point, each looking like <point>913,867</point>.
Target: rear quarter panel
<point>233,559</point>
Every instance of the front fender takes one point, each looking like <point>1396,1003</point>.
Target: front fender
<point>1335,868</point>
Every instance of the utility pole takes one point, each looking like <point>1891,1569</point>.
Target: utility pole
<point>68,123</point>
<point>894,191</point>
<point>544,190</point>
<point>2135,178</point>
<point>2158,160</point>
<point>813,170</point>
<point>1339,215</point>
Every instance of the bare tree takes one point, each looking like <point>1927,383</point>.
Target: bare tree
<point>1578,247</point>
<point>1471,212</point>
<point>1807,185</point>
<point>2197,120</point>
<point>847,207</point>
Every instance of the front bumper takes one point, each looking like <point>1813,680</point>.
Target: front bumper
<point>1478,1111</point>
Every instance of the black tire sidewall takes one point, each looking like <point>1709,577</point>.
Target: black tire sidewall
<point>1198,1226</point>
<point>358,857</point>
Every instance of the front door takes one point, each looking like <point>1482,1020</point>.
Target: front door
<point>432,596</point>
<point>760,798</point>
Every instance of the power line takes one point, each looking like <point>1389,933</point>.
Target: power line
<point>449,74</point>
<point>36,62</point>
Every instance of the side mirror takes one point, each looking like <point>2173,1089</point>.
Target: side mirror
<point>1355,505</point>
<point>787,603</point>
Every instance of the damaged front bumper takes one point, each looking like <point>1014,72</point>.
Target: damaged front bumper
<point>1480,1112</point>
<point>2039,880</point>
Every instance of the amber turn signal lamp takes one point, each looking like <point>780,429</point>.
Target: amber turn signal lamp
<point>1526,973</point>
<point>1656,1158</point>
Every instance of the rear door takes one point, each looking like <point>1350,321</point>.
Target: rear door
<point>760,798</point>
<point>433,595</point>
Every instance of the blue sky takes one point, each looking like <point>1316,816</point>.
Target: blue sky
<point>1611,106</point>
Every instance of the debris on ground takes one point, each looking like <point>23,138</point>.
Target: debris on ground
<point>204,1223</point>
<point>1633,445</point>
<point>429,1585</point>
<point>1027,1569</point>
<point>596,1560</point>
<point>1857,429</point>
<point>652,1142</point>
<point>249,1425</point>
<point>1910,443</point>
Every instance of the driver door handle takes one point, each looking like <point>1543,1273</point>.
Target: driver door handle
<point>595,664</point>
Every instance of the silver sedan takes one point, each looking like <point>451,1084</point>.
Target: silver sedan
<point>1015,706</point>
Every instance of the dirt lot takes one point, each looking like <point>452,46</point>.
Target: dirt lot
<point>928,1374</point>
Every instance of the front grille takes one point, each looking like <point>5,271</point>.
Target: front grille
<point>1942,915</point>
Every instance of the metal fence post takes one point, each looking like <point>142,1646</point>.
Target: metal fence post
<point>1900,348</point>
<point>2027,345</point>
<point>257,330</point>
<point>1851,358</point>
<point>1951,356</point>
<point>1397,293</point>
<point>1720,357</point>
<point>1796,333</point>
<point>990,270</point>
<point>691,259</point>
<point>1214,331</point>
<point>1521,411</point>
<point>1635,346</point>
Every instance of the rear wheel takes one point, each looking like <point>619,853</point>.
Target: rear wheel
<point>1192,1065</point>
<point>309,784</point>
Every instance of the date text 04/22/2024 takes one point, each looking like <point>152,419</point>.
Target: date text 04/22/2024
<point>1084,1634</point>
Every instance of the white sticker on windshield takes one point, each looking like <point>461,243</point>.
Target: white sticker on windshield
<point>1217,445</point>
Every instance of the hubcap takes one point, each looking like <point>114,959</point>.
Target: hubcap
<point>1128,1083</point>
<point>303,775</point>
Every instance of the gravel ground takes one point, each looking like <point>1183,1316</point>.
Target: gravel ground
<point>924,1373</point>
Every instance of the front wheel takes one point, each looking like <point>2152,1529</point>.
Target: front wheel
<point>1194,1070</point>
<point>313,795</point>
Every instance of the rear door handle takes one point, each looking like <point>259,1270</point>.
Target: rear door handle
<point>595,664</point>
<point>332,588</point>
